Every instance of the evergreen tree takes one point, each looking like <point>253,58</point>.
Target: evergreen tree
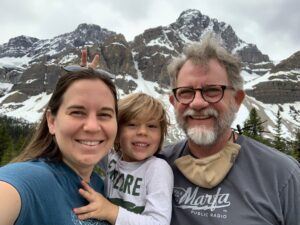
<point>296,146</point>
<point>12,137</point>
<point>253,126</point>
<point>8,154</point>
<point>5,142</point>
<point>278,141</point>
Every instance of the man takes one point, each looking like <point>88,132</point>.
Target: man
<point>221,177</point>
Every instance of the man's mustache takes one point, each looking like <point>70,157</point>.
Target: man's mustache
<point>204,112</point>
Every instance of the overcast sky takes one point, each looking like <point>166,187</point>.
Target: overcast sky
<point>273,25</point>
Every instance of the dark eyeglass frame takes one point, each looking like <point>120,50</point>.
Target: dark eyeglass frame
<point>223,88</point>
<point>78,68</point>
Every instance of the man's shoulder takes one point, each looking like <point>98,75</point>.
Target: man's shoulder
<point>266,154</point>
<point>172,151</point>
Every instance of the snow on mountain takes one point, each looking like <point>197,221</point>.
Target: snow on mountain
<point>15,62</point>
<point>30,110</point>
<point>5,88</point>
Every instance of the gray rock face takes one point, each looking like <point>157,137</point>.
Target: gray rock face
<point>117,54</point>
<point>276,92</point>
<point>126,86</point>
<point>87,33</point>
<point>291,63</point>
<point>10,75</point>
<point>251,54</point>
<point>152,50</point>
<point>17,47</point>
<point>32,81</point>
<point>283,85</point>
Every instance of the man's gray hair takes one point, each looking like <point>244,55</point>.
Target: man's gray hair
<point>200,53</point>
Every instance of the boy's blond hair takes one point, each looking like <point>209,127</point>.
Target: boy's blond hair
<point>143,107</point>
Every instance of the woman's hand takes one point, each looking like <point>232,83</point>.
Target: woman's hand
<point>84,61</point>
<point>98,208</point>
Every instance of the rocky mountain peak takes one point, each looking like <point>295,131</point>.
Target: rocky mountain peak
<point>85,26</point>
<point>17,46</point>
<point>251,54</point>
<point>157,45</point>
<point>22,41</point>
<point>192,24</point>
<point>283,83</point>
<point>84,34</point>
<point>291,63</point>
<point>189,15</point>
<point>92,30</point>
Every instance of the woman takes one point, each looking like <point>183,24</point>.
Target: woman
<point>77,129</point>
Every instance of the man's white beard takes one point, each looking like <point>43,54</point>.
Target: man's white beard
<point>202,135</point>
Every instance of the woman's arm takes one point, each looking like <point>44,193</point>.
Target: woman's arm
<point>10,204</point>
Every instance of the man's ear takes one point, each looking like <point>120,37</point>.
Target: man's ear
<point>50,122</point>
<point>239,97</point>
<point>172,100</point>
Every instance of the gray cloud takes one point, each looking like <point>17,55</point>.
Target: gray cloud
<point>131,10</point>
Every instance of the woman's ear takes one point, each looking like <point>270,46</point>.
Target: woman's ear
<point>50,122</point>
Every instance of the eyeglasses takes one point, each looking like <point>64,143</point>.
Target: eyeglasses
<point>77,68</point>
<point>210,93</point>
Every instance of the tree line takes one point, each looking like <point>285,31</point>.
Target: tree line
<point>15,133</point>
<point>253,127</point>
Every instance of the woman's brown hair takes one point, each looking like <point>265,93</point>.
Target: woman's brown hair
<point>42,144</point>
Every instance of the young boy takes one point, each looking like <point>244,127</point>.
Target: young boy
<point>137,183</point>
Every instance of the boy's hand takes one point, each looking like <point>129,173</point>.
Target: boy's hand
<point>84,61</point>
<point>98,208</point>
